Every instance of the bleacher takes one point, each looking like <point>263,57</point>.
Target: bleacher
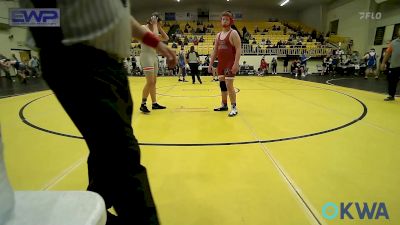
<point>206,47</point>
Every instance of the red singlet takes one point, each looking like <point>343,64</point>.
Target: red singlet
<point>226,55</point>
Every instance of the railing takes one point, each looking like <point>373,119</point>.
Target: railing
<point>296,50</point>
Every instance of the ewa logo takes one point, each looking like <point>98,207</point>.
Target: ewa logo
<point>34,17</point>
<point>350,210</point>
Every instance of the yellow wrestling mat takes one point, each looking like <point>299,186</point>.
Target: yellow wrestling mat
<point>294,147</point>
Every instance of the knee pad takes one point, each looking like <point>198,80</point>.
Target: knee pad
<point>222,85</point>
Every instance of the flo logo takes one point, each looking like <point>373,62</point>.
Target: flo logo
<point>350,210</point>
<point>370,15</point>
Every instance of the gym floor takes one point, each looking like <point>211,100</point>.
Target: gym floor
<point>295,146</point>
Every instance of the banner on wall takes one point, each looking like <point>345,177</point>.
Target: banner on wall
<point>395,31</point>
<point>170,16</point>
<point>379,35</point>
<point>186,16</point>
<point>217,15</point>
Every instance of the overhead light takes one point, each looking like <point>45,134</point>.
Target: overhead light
<point>284,3</point>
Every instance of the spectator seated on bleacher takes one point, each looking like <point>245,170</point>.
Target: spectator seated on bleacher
<point>314,34</point>
<point>244,31</point>
<point>174,45</point>
<point>254,41</point>
<point>265,30</point>
<point>246,38</point>
<point>178,31</point>
<point>321,38</point>
<point>201,39</point>
<point>268,42</point>
<point>256,30</point>
<point>309,39</point>
<point>263,42</point>
<point>186,31</point>
<point>195,41</point>
<point>245,66</point>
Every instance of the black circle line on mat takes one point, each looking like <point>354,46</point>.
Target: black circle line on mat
<point>365,111</point>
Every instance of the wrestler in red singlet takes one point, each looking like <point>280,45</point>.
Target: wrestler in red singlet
<point>227,48</point>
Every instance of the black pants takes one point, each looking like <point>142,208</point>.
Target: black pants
<point>274,68</point>
<point>95,94</point>
<point>393,78</point>
<point>194,70</point>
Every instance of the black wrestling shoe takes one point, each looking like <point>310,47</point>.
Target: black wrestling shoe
<point>144,109</point>
<point>220,109</point>
<point>390,98</point>
<point>157,106</point>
